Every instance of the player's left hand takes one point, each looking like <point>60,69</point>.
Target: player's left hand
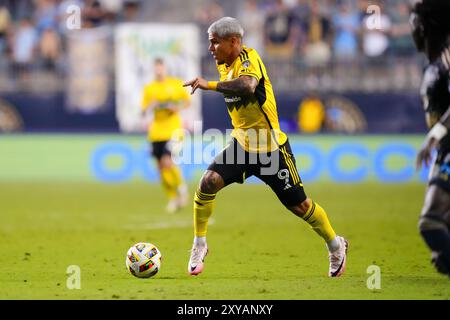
<point>173,107</point>
<point>196,83</point>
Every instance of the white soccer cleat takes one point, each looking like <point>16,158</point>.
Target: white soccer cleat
<point>183,196</point>
<point>196,262</point>
<point>172,206</point>
<point>338,259</point>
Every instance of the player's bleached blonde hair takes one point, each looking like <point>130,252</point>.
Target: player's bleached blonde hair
<point>225,27</point>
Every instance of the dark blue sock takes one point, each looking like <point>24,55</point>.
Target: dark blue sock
<point>439,242</point>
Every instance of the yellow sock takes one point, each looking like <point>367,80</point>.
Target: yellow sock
<point>168,183</point>
<point>317,218</point>
<point>176,176</point>
<point>203,208</point>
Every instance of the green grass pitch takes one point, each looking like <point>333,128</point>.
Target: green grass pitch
<point>258,250</point>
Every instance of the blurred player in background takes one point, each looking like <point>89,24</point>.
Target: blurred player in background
<point>251,104</point>
<point>430,21</point>
<point>165,96</point>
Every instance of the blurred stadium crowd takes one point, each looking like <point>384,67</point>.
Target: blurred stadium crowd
<point>324,45</point>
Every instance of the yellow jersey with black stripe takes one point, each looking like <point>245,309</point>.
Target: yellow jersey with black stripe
<point>254,117</point>
<point>164,93</point>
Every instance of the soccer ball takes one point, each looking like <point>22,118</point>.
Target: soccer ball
<point>143,260</point>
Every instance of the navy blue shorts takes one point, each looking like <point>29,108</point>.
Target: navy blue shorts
<point>440,174</point>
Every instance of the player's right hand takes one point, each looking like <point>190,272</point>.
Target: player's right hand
<point>196,83</point>
<point>424,154</point>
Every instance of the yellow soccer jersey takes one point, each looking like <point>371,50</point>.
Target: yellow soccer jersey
<point>164,93</point>
<point>254,118</point>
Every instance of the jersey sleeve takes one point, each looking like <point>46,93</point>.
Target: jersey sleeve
<point>146,97</point>
<point>250,66</point>
<point>182,93</point>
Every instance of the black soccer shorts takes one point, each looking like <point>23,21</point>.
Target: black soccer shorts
<point>160,148</point>
<point>277,169</point>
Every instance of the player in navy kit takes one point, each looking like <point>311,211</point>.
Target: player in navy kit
<point>430,21</point>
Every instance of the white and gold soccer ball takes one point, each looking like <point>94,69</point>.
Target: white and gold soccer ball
<point>143,260</point>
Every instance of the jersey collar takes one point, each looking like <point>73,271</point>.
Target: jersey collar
<point>243,55</point>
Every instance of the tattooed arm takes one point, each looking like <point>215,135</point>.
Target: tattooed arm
<point>244,85</point>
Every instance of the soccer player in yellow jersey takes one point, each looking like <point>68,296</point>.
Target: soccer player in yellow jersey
<point>258,146</point>
<point>165,96</point>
